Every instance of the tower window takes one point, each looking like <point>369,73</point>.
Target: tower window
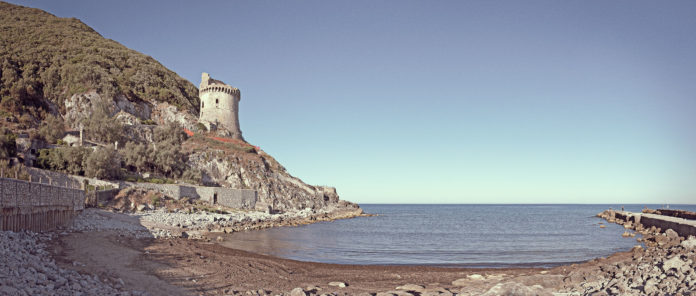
<point>202,105</point>
<point>216,101</point>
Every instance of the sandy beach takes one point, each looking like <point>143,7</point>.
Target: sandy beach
<point>115,255</point>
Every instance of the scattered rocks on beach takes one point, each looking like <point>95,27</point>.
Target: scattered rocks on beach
<point>664,267</point>
<point>167,224</point>
<point>26,268</point>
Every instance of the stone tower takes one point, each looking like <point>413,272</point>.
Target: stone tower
<point>219,106</point>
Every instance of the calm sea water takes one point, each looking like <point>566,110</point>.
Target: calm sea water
<point>450,235</point>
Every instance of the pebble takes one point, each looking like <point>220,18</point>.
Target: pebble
<point>26,268</point>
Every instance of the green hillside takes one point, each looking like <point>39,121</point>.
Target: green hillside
<point>44,58</point>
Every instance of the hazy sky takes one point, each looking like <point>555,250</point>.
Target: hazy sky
<point>444,102</point>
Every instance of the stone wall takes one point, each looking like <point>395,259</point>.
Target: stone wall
<point>97,197</point>
<point>229,197</point>
<point>57,178</point>
<point>220,105</point>
<point>224,196</point>
<point>37,206</point>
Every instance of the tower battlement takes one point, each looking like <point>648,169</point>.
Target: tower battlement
<point>219,106</point>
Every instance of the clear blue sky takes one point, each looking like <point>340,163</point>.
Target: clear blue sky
<point>444,102</point>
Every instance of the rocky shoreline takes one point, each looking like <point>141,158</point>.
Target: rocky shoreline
<point>162,223</point>
<point>27,268</point>
<point>178,250</point>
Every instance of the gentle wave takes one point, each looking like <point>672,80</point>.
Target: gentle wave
<point>470,236</point>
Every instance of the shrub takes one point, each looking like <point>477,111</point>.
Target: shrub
<point>65,159</point>
<point>8,145</point>
<point>103,164</point>
<point>52,128</point>
<point>100,126</point>
<point>46,58</point>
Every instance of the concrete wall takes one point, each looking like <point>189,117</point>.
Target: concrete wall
<point>36,206</point>
<point>682,229</point>
<point>681,226</point>
<point>678,213</point>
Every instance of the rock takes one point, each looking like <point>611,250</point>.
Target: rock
<point>7,290</point>
<point>460,282</point>
<point>517,289</point>
<point>411,287</point>
<point>465,281</point>
<point>676,263</point>
<point>436,292</point>
<point>338,284</point>
<point>298,292</point>
<point>689,244</point>
<point>475,277</point>
<point>671,234</point>
<point>650,286</point>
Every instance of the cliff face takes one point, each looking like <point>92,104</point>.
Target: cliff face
<point>238,165</point>
<point>63,67</point>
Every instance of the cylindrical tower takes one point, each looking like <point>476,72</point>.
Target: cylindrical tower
<point>219,106</point>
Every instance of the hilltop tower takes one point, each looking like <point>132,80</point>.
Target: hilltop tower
<point>219,106</point>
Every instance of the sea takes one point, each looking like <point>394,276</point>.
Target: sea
<point>452,235</point>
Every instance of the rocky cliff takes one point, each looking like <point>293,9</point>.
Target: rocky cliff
<point>61,66</point>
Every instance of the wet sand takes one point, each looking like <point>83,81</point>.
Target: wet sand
<point>181,266</point>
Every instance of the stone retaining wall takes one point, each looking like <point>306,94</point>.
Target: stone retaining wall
<point>37,206</point>
<point>97,197</point>
<point>224,196</point>
<point>228,197</point>
<point>58,178</point>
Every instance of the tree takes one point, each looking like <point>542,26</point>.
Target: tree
<point>52,128</point>
<point>136,157</point>
<point>100,126</point>
<point>103,164</point>
<point>8,146</point>
<point>74,158</point>
<point>164,156</point>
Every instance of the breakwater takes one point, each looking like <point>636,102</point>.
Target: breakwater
<point>683,227</point>
<point>38,206</point>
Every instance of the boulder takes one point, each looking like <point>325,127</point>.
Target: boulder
<point>671,234</point>
<point>411,287</point>
<point>676,263</point>
<point>517,289</point>
<point>298,292</point>
<point>338,284</point>
<point>689,244</point>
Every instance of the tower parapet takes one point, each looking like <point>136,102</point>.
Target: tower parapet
<point>219,106</point>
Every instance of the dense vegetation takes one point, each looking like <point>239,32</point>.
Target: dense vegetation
<point>163,157</point>
<point>45,59</point>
